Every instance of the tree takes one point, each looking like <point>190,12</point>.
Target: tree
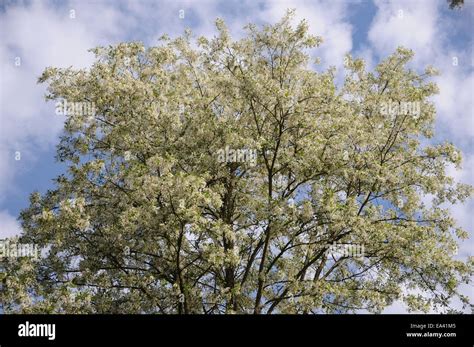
<point>228,176</point>
<point>455,4</point>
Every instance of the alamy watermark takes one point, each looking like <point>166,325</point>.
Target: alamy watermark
<point>348,250</point>
<point>28,329</point>
<point>12,249</point>
<point>243,155</point>
<point>401,108</point>
<point>69,108</point>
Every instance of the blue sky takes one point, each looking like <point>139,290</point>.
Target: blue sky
<point>59,33</point>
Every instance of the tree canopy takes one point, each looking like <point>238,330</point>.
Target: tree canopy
<point>218,175</point>
<point>455,4</point>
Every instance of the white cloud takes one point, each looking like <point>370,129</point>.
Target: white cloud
<point>408,23</point>
<point>455,104</point>
<point>9,226</point>
<point>37,36</point>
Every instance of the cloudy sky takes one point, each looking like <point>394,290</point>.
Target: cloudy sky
<point>37,34</point>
